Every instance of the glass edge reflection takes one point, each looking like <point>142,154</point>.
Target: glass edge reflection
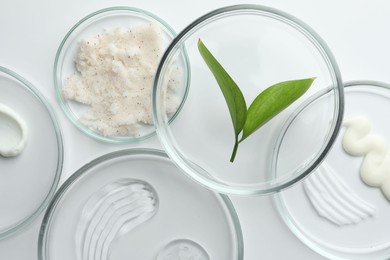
<point>42,239</point>
<point>58,58</point>
<point>312,36</point>
<point>60,157</point>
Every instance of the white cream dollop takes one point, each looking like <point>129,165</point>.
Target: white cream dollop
<point>357,141</point>
<point>13,132</point>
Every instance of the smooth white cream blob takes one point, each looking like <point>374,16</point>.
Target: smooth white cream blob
<point>357,141</point>
<point>13,132</point>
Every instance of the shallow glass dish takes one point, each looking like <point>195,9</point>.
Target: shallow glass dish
<point>183,218</point>
<point>258,46</point>
<point>28,180</point>
<point>91,26</point>
<point>367,237</point>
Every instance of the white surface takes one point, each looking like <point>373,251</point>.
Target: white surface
<point>30,32</point>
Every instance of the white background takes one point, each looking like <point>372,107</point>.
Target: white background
<point>357,32</point>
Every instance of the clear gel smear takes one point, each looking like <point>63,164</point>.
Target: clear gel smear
<point>182,249</point>
<point>115,209</point>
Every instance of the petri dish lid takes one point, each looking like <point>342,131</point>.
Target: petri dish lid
<point>28,180</point>
<point>353,221</point>
<point>94,24</point>
<point>258,46</point>
<point>183,213</point>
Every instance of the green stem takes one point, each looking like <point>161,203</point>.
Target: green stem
<point>234,151</point>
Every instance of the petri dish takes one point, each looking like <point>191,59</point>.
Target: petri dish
<point>84,113</point>
<point>258,46</point>
<point>357,227</point>
<point>184,213</point>
<point>27,180</point>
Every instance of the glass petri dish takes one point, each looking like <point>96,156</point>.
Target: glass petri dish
<point>29,179</point>
<point>99,23</point>
<point>361,233</point>
<point>258,46</point>
<point>185,214</point>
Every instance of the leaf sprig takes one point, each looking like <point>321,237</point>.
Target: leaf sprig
<point>266,105</point>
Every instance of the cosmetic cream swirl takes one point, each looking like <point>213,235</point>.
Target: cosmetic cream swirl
<point>375,167</point>
<point>13,132</point>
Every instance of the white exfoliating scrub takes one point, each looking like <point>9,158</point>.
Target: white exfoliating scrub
<point>13,132</point>
<point>357,141</point>
<point>115,73</point>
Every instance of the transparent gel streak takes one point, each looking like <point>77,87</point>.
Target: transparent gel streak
<point>183,249</point>
<point>115,209</point>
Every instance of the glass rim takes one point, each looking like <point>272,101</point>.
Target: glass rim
<point>41,99</point>
<point>281,206</point>
<point>42,239</point>
<point>313,37</point>
<point>56,69</point>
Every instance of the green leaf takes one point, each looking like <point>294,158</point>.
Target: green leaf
<point>272,101</point>
<point>234,98</point>
<point>232,93</point>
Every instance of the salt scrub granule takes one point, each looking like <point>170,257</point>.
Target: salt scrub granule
<point>115,72</point>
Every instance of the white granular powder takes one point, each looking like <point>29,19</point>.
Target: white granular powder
<point>115,77</point>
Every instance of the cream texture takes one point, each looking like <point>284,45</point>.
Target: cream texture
<point>334,200</point>
<point>115,75</point>
<point>13,132</point>
<point>375,167</point>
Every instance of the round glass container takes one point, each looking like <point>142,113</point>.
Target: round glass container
<point>29,179</point>
<point>183,212</point>
<point>258,46</point>
<point>91,26</point>
<point>353,221</point>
